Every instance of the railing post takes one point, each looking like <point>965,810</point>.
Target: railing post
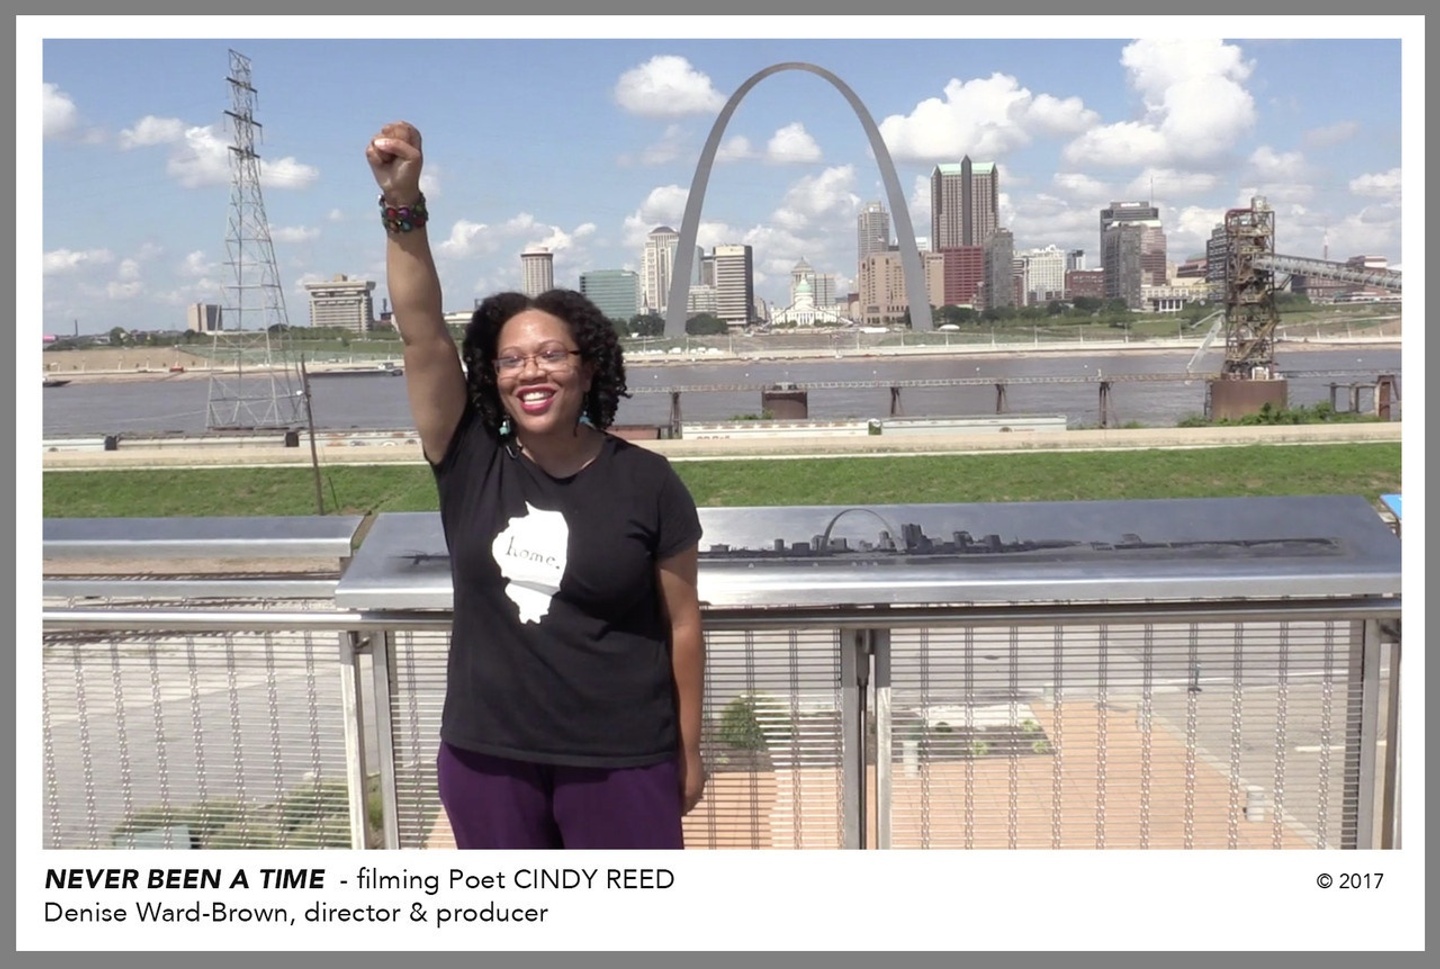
<point>382,676</point>
<point>1366,642</point>
<point>1390,793</point>
<point>880,645</point>
<point>352,709</point>
<point>854,683</point>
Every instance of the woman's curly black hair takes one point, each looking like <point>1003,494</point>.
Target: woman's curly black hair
<point>595,337</point>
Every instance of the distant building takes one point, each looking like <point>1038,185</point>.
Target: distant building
<point>1120,247</point>
<point>343,303</point>
<point>701,299</point>
<point>964,204</point>
<point>1043,275</point>
<point>932,266</point>
<point>1087,283</point>
<point>963,269</point>
<point>883,301</point>
<point>1000,281</point>
<point>538,265</point>
<point>735,284</point>
<point>872,231</point>
<point>803,310</point>
<point>1172,297</point>
<point>656,262</point>
<point>1141,247</point>
<point>615,291</point>
<point>1074,259</point>
<point>203,318</point>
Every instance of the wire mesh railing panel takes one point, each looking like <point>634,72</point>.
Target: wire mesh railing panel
<point>417,699</point>
<point>772,741</point>
<point>1213,735</point>
<point>194,740</point>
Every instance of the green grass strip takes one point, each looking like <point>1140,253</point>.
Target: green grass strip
<point>1369,470</point>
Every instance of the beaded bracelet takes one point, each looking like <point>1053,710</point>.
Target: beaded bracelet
<point>403,218</point>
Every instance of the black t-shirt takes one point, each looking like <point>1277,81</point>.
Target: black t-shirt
<point>559,651</point>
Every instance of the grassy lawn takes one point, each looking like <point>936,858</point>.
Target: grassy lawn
<point>1369,470</point>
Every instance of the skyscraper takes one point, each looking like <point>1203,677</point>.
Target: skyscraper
<point>964,204</point>
<point>734,284</point>
<point>1120,252</point>
<point>872,231</point>
<point>1044,274</point>
<point>615,291</point>
<point>539,266</point>
<point>655,265</point>
<point>1000,269</point>
<point>1145,256</point>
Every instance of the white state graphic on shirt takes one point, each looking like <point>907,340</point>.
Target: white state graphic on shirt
<point>531,554</point>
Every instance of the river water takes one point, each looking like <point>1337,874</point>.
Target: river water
<point>366,402</point>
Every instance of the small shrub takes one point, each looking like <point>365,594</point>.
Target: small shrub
<point>739,727</point>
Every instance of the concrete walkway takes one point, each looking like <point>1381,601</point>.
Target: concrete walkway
<point>274,454</point>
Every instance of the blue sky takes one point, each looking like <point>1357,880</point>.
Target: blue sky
<point>585,145</point>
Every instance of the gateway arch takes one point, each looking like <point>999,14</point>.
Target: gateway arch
<point>915,292</point>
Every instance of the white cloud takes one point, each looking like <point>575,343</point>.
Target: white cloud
<point>1385,185</point>
<point>664,205</point>
<point>667,86</point>
<point>466,239</point>
<point>335,215</point>
<point>200,155</point>
<point>1196,106</point>
<point>1157,183</point>
<point>294,233</point>
<point>58,111</point>
<point>670,146</point>
<point>60,261</point>
<point>201,158</point>
<point>1267,163</point>
<point>477,239</point>
<point>792,144</point>
<point>127,289</point>
<point>287,173</point>
<point>558,240</point>
<point>1122,143</point>
<point>128,270</point>
<point>919,203</point>
<point>734,148</point>
<point>196,264</point>
<point>151,130</point>
<point>1082,187</point>
<point>1190,228</point>
<point>1330,135</point>
<point>817,198</point>
<point>983,118</point>
<point>1374,230</point>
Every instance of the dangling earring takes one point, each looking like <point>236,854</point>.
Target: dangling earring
<point>585,411</point>
<point>505,427</point>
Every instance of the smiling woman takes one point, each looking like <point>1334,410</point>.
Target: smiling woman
<point>575,673</point>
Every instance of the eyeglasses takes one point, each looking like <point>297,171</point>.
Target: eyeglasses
<point>548,360</point>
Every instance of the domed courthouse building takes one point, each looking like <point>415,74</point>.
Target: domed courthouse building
<point>803,310</point>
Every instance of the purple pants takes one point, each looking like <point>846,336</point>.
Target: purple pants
<point>493,802</point>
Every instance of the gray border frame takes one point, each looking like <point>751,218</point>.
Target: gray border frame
<point>891,960</point>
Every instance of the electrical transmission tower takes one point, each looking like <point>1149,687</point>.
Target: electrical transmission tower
<point>252,383</point>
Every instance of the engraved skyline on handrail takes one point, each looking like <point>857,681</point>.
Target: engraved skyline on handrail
<point>910,543</point>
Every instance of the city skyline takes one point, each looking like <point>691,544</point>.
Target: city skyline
<point>1314,125</point>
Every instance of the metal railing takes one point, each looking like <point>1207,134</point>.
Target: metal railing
<point>194,719</point>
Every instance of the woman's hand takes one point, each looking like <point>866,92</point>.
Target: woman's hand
<point>395,159</point>
<point>692,779</point>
